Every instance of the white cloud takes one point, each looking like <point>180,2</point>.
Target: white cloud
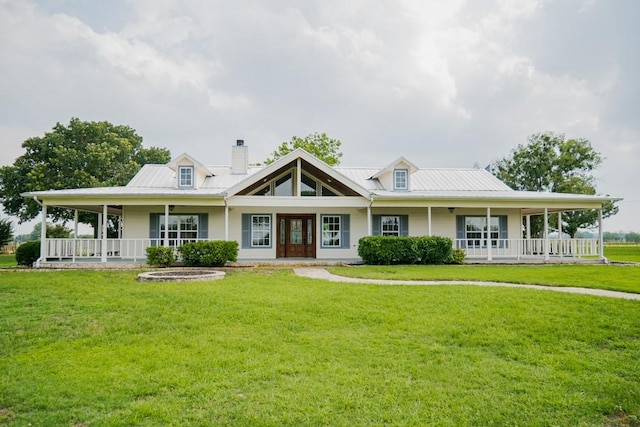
<point>442,83</point>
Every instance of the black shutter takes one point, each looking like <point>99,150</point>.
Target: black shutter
<point>154,229</point>
<point>376,228</point>
<point>203,226</point>
<point>246,231</point>
<point>503,232</point>
<point>345,232</point>
<point>404,225</point>
<point>460,229</point>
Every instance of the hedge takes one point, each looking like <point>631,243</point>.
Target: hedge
<point>160,255</point>
<point>28,253</point>
<point>213,253</point>
<point>387,250</point>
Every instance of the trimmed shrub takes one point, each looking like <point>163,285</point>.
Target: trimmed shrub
<point>433,249</point>
<point>28,253</point>
<point>214,253</point>
<point>160,255</point>
<point>387,250</point>
<point>457,257</point>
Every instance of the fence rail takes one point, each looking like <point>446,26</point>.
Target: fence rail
<point>126,249</point>
<point>520,248</point>
<point>135,249</point>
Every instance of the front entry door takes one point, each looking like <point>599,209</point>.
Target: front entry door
<point>296,236</point>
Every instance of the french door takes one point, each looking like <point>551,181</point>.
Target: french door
<point>296,236</point>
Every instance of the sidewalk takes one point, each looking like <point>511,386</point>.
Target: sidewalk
<point>323,274</point>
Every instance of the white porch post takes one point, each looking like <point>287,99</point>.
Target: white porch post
<point>560,234</point>
<point>429,220</point>
<point>226,220</point>
<point>103,257</point>
<point>43,234</point>
<point>528,231</point>
<point>489,257</point>
<point>165,242</point>
<point>75,234</point>
<point>546,234</point>
<point>369,221</point>
<point>99,233</point>
<point>600,234</point>
<point>298,177</point>
<point>75,223</point>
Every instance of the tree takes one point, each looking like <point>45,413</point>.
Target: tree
<point>317,144</point>
<point>609,236</point>
<point>632,237</point>
<point>80,155</point>
<point>6,231</point>
<point>550,162</point>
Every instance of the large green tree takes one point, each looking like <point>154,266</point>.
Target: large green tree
<point>551,162</point>
<point>318,144</point>
<point>78,155</point>
<point>6,231</point>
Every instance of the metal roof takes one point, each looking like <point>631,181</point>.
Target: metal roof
<point>468,184</point>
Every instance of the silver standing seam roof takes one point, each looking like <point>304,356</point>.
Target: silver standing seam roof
<point>160,180</point>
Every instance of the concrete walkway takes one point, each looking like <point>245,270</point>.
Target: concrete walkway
<point>323,274</point>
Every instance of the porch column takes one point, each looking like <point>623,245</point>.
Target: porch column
<point>75,234</point>
<point>560,250</point>
<point>369,222</point>
<point>103,257</point>
<point>43,234</point>
<point>226,220</point>
<point>99,233</point>
<point>528,234</point>
<point>600,234</point>
<point>298,177</point>
<point>165,242</point>
<point>546,234</point>
<point>489,258</point>
<point>429,220</point>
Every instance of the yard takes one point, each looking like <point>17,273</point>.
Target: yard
<point>264,347</point>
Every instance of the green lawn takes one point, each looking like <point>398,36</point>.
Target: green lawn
<point>630,253</point>
<point>264,347</point>
<point>7,260</point>
<point>612,277</point>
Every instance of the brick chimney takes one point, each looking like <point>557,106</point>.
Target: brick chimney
<point>239,158</point>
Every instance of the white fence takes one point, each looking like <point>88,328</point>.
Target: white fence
<point>122,249</point>
<point>135,249</point>
<point>535,248</point>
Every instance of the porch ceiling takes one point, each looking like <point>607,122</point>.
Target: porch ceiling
<point>111,209</point>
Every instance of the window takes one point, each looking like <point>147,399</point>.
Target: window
<point>260,231</point>
<point>284,186</point>
<point>390,225</point>
<point>331,231</point>
<point>185,176</point>
<point>308,186</point>
<point>181,229</point>
<point>473,231</point>
<point>400,179</point>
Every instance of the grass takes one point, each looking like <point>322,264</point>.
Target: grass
<point>629,253</point>
<point>610,277</point>
<point>265,347</point>
<point>8,260</point>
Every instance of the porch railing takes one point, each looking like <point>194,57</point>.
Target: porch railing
<point>522,248</point>
<point>134,250</point>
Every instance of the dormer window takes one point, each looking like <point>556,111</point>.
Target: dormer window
<point>400,179</point>
<point>185,177</point>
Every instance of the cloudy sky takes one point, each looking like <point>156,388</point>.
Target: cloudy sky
<point>448,83</point>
